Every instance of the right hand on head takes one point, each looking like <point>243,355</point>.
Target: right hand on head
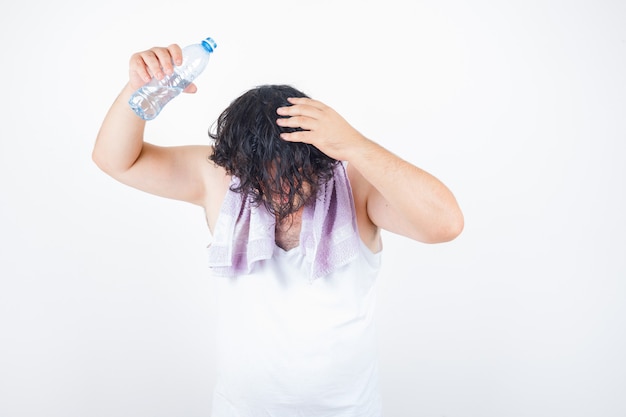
<point>155,62</point>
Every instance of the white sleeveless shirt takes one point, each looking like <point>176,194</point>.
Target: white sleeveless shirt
<point>296,331</point>
<point>289,346</point>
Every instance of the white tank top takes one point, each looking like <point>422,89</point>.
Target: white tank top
<point>289,346</point>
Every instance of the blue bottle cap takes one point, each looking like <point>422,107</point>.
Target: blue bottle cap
<point>209,44</point>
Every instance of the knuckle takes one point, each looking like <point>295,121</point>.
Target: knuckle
<point>138,56</point>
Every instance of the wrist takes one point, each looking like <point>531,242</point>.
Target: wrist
<point>362,150</point>
<point>126,92</point>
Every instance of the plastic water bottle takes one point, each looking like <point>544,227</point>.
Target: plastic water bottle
<point>148,101</point>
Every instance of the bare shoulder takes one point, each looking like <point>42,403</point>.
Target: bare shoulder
<point>361,190</point>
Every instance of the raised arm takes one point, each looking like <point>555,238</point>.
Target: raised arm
<point>181,172</point>
<point>395,195</point>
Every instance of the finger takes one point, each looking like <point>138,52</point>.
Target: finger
<point>300,136</point>
<point>165,62</point>
<point>305,123</point>
<point>307,102</point>
<point>300,110</point>
<point>151,63</point>
<point>138,66</point>
<point>177,54</point>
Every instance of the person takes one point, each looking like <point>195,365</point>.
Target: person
<point>295,199</point>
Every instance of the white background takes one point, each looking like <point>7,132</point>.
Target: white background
<point>518,106</point>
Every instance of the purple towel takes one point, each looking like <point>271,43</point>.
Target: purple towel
<point>329,239</point>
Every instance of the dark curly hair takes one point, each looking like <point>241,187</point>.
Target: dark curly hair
<point>271,171</point>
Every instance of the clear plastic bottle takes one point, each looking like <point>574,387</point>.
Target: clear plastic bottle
<point>148,101</point>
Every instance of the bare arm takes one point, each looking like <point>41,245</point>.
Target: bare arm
<point>396,195</point>
<point>405,199</point>
<point>181,172</point>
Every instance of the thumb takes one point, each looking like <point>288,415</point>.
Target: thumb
<point>191,88</point>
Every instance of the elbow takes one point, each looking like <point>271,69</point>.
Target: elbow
<point>100,162</point>
<point>108,162</point>
<point>448,228</point>
<point>452,222</point>
<point>95,158</point>
<point>105,164</point>
<point>454,227</point>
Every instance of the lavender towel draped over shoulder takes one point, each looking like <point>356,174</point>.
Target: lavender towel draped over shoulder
<point>245,233</point>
